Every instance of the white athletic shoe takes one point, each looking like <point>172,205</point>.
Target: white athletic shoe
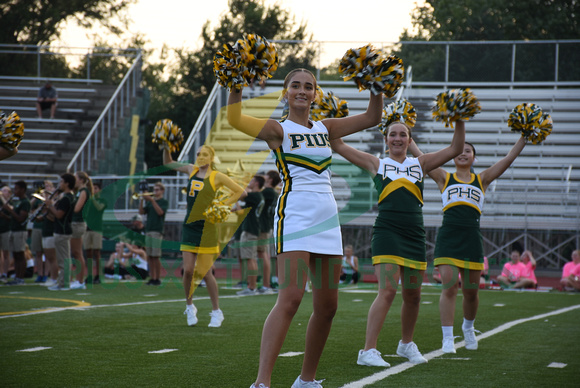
<point>371,357</point>
<point>76,285</point>
<point>411,352</point>
<point>246,292</point>
<point>266,291</point>
<point>49,283</point>
<point>470,339</point>
<point>217,317</point>
<point>191,315</point>
<point>258,386</point>
<point>299,383</point>
<point>448,345</point>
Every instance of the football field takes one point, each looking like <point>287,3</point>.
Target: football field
<point>125,334</point>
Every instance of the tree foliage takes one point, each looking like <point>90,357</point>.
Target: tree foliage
<point>182,97</point>
<point>37,22</point>
<point>485,20</point>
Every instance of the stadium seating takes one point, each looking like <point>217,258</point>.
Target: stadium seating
<point>541,188</point>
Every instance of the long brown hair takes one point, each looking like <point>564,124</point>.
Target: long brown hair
<point>86,180</point>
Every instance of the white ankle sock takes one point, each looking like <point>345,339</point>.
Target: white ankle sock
<point>467,324</point>
<point>447,331</point>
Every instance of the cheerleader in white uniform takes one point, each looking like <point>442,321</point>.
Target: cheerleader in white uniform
<point>306,225</point>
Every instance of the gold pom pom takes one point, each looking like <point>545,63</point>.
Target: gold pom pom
<point>217,212</point>
<point>252,57</point>
<point>11,130</point>
<point>399,111</point>
<point>531,121</point>
<point>371,70</point>
<point>167,135</point>
<point>455,104</point>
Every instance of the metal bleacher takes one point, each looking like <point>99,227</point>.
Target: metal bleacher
<point>49,144</point>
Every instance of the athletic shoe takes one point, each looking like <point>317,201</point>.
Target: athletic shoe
<point>191,315</point>
<point>299,383</point>
<point>56,287</point>
<point>38,279</point>
<point>470,339</point>
<point>217,317</point>
<point>266,291</point>
<point>76,285</point>
<point>246,291</point>
<point>241,284</point>
<point>371,357</point>
<point>258,386</point>
<point>448,345</point>
<point>96,280</point>
<point>50,283</point>
<point>15,282</point>
<point>411,352</point>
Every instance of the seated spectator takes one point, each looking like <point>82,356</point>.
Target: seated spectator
<point>117,260</point>
<point>512,275</point>
<point>566,281</point>
<point>47,99</point>
<point>574,278</point>
<point>530,263</point>
<point>349,270</point>
<point>137,261</point>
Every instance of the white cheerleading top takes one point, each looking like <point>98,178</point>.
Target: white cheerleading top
<point>304,157</point>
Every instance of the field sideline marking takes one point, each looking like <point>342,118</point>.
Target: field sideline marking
<point>436,353</point>
<point>86,306</point>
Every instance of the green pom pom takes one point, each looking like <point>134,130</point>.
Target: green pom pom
<point>455,104</point>
<point>399,111</point>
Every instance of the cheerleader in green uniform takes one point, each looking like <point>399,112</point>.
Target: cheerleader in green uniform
<point>459,245</point>
<point>398,242</point>
<point>200,245</point>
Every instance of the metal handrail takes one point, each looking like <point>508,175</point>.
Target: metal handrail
<point>122,92</point>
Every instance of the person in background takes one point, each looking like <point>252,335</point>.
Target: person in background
<point>18,233</point>
<point>155,209</point>
<point>40,267</point>
<point>254,202</point>
<point>5,198</point>
<point>349,270</point>
<point>47,99</point>
<point>93,238</point>
<point>48,247</point>
<point>84,191</point>
<point>566,282</point>
<point>513,272</point>
<point>530,262</point>
<point>199,238</point>
<point>62,209</point>
<point>272,179</point>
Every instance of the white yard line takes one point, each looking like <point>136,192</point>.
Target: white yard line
<point>436,353</point>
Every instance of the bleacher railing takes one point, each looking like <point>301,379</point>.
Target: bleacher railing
<point>88,152</point>
<point>84,54</point>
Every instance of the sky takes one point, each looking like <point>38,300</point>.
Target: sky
<point>341,24</point>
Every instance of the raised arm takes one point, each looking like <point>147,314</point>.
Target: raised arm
<point>265,129</point>
<point>438,175</point>
<point>495,171</point>
<point>433,160</point>
<point>346,125</point>
<point>168,159</point>
<point>358,158</point>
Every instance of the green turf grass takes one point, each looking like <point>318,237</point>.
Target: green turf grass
<point>108,343</point>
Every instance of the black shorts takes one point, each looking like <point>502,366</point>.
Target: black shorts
<point>46,105</point>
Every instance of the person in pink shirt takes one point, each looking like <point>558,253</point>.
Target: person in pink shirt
<point>513,271</point>
<point>530,263</point>
<point>570,269</point>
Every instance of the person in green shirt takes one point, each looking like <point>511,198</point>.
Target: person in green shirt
<point>93,237</point>
<point>155,210</point>
<point>18,233</point>
<point>266,238</point>
<point>251,230</point>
